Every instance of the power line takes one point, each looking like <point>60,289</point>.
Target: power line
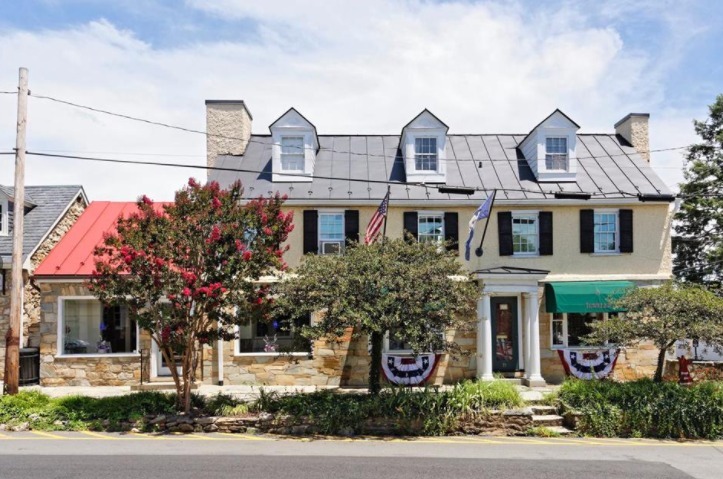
<point>331,150</point>
<point>243,170</point>
<point>8,93</point>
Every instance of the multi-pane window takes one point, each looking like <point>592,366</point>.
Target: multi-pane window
<point>556,153</point>
<point>569,329</point>
<point>277,336</point>
<point>89,327</point>
<point>525,233</point>
<point>605,232</point>
<point>425,154</point>
<point>398,344</point>
<point>331,233</point>
<point>292,153</point>
<point>430,227</point>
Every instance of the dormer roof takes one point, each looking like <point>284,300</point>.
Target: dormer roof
<point>425,119</point>
<point>292,118</point>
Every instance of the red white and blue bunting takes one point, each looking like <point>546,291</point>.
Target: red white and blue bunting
<point>409,370</point>
<point>588,364</point>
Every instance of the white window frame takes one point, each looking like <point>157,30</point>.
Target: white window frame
<point>237,347</point>
<point>566,154</point>
<point>431,214</point>
<point>4,217</point>
<point>61,333</point>
<point>617,231</point>
<point>527,214</point>
<point>565,337</point>
<point>300,155</point>
<point>426,156</point>
<point>320,240</point>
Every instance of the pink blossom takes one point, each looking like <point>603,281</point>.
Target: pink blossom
<point>284,197</point>
<point>267,231</point>
<point>247,255</point>
<point>186,291</point>
<point>264,219</point>
<point>239,245</point>
<point>216,203</point>
<point>146,200</point>
<point>215,234</point>
<point>159,262</point>
<point>192,183</point>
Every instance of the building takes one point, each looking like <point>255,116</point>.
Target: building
<point>50,211</point>
<point>577,219</point>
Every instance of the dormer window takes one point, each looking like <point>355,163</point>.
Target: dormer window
<point>425,154</point>
<point>423,147</point>
<point>550,148</point>
<point>294,144</point>
<point>556,153</point>
<point>292,153</point>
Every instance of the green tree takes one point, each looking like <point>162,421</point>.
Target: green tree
<point>663,315</point>
<point>414,291</point>
<point>698,243</point>
<point>187,270</point>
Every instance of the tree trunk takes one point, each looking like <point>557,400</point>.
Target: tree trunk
<point>376,363</point>
<point>661,363</point>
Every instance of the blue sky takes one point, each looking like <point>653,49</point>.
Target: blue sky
<point>352,66</point>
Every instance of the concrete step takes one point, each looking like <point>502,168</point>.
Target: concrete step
<point>515,381</point>
<point>547,420</point>
<point>543,410</point>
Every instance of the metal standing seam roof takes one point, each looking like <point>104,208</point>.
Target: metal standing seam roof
<point>607,166</point>
<point>49,203</point>
<point>73,255</point>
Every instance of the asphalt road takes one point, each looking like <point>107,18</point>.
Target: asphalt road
<point>31,455</point>
<point>305,467</point>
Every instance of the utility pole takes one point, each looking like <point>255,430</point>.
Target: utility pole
<point>12,344</point>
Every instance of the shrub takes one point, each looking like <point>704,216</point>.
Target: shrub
<point>646,409</point>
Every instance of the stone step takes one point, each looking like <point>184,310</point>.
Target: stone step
<point>515,381</point>
<point>547,420</point>
<point>543,410</point>
<point>561,430</point>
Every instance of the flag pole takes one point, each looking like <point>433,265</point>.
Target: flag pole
<point>479,250</point>
<point>384,229</point>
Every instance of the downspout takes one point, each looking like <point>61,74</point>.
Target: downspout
<point>220,361</point>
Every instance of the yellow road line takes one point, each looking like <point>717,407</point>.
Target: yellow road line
<point>47,434</point>
<point>245,437</point>
<point>99,436</point>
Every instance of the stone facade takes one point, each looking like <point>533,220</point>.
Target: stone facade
<point>31,294</point>
<point>95,370</point>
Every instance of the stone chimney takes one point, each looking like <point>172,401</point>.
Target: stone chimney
<point>228,123</point>
<point>634,129</point>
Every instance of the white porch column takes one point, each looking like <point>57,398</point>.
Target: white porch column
<point>484,338</point>
<point>534,378</point>
<point>526,319</point>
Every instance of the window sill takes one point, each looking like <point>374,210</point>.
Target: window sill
<point>525,255</point>
<point>610,253</point>
<point>95,355</point>
<point>263,354</point>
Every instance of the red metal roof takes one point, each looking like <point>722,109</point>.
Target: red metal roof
<point>73,255</point>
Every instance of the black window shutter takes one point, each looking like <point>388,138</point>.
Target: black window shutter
<point>545,219</point>
<point>504,228</point>
<point>451,231</point>
<point>351,225</point>
<point>587,227</point>
<point>410,224</point>
<point>311,226</point>
<point>626,230</point>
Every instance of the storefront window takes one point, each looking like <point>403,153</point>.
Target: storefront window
<point>274,337</point>
<point>89,327</point>
<point>569,329</point>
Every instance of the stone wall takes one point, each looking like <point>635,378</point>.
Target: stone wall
<point>93,370</point>
<point>31,294</point>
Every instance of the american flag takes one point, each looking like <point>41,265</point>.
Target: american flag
<point>375,225</point>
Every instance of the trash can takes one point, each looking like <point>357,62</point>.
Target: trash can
<point>29,366</point>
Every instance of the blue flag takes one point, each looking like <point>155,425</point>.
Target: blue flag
<point>482,212</point>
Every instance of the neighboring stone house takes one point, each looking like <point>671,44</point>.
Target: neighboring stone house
<point>50,211</point>
<point>577,219</point>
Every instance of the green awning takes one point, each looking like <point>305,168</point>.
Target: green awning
<point>584,296</point>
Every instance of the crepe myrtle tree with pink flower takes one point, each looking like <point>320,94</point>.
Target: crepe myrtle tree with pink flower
<point>187,271</point>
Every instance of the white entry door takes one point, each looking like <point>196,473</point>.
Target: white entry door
<point>161,368</point>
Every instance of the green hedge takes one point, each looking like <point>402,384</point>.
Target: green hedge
<point>432,411</point>
<point>646,409</point>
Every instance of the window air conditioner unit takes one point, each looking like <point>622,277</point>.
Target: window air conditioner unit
<point>332,247</point>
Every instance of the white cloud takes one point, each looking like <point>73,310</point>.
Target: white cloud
<point>355,67</point>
